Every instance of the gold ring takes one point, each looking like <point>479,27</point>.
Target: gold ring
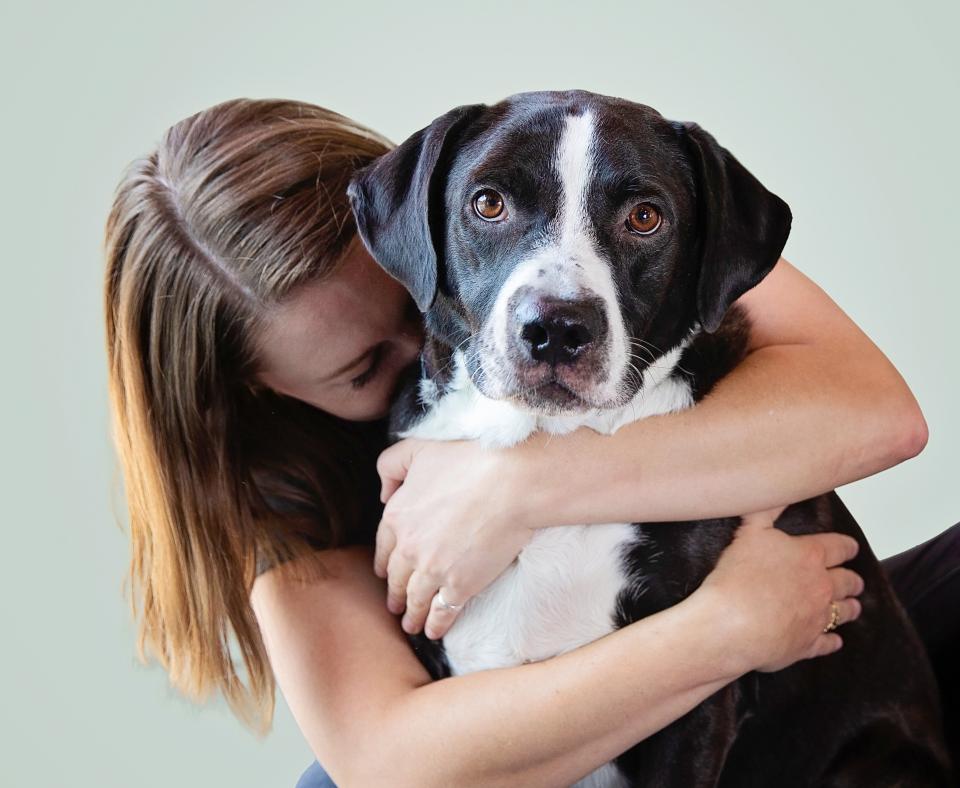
<point>834,617</point>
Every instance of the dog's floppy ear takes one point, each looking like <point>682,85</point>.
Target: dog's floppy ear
<point>397,201</point>
<point>743,227</point>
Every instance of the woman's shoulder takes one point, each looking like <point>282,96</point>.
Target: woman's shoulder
<point>323,579</point>
<point>299,530</point>
<point>306,543</point>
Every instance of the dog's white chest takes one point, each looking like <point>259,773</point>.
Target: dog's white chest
<point>562,590</point>
<point>559,594</point>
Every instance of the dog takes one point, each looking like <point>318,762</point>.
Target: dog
<point>577,258</point>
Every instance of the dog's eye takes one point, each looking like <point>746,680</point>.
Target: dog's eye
<point>643,219</point>
<point>489,205</point>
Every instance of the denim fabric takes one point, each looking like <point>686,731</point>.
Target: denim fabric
<point>315,777</point>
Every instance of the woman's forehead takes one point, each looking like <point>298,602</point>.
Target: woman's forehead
<point>323,325</point>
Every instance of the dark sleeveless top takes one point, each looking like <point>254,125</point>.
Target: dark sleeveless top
<point>367,490</point>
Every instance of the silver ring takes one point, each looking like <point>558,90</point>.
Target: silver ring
<point>444,604</point>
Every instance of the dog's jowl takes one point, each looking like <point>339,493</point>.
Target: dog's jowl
<point>577,258</point>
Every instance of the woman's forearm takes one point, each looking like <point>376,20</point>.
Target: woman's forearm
<point>764,437</point>
<point>550,723</point>
<point>372,716</point>
<point>814,405</point>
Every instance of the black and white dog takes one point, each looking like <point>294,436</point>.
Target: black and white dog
<point>577,257</point>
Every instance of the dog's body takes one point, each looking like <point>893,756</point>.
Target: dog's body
<point>576,313</point>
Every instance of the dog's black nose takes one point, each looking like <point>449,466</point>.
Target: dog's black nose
<point>557,331</point>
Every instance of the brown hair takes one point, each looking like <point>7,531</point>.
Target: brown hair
<point>237,205</point>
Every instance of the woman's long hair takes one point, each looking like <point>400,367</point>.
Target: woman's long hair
<point>237,205</point>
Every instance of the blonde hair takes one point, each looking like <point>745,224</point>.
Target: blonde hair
<point>237,205</point>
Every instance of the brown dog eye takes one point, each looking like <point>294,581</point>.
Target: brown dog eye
<point>643,219</point>
<point>489,205</point>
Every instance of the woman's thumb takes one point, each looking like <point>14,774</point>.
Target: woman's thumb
<point>764,519</point>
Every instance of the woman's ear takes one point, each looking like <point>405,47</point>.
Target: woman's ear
<point>743,227</point>
<point>398,203</point>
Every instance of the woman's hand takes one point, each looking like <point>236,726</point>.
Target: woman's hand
<point>448,526</point>
<point>778,590</point>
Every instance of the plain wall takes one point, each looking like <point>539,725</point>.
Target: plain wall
<point>848,110</point>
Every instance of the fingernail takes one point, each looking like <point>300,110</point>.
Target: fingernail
<point>431,633</point>
<point>407,625</point>
<point>394,608</point>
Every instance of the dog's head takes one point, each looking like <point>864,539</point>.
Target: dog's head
<point>566,241</point>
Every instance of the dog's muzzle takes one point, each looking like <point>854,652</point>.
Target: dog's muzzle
<point>557,346</point>
<point>556,331</point>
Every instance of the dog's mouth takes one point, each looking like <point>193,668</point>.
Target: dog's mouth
<point>549,391</point>
<point>555,394</point>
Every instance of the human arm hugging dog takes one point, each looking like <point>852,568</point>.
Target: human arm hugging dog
<point>812,381</point>
<point>372,715</point>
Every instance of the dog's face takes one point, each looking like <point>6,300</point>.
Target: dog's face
<point>566,241</point>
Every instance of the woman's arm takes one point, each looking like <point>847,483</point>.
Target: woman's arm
<point>814,405</point>
<point>372,716</point>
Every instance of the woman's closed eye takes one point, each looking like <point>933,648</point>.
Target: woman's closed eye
<point>376,357</point>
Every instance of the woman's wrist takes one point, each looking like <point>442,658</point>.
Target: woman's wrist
<point>556,480</point>
<point>727,631</point>
<point>540,478</point>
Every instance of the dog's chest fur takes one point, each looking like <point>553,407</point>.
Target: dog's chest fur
<point>562,590</point>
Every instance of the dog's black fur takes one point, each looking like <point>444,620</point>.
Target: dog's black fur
<point>866,716</point>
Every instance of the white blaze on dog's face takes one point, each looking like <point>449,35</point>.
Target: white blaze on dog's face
<point>560,281</point>
<point>567,244</point>
<point>562,294</point>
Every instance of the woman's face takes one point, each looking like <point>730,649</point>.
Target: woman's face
<point>340,344</point>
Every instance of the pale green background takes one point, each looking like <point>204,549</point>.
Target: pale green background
<point>848,110</point>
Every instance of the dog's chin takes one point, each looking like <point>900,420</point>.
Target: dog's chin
<point>545,391</point>
<point>552,398</point>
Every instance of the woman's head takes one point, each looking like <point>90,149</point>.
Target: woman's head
<point>220,245</point>
<point>368,330</point>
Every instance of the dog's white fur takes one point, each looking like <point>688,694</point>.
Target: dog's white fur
<point>564,265</point>
<point>561,591</point>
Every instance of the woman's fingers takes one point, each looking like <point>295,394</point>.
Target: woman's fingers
<point>826,644</point>
<point>837,548</point>
<point>393,465</point>
<point>847,610</point>
<point>846,583</point>
<point>398,578</point>
<point>386,542</point>
<point>442,616</point>
<point>764,519</point>
<point>430,608</point>
<point>420,593</point>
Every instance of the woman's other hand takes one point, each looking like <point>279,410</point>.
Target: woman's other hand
<point>778,590</point>
<point>448,526</point>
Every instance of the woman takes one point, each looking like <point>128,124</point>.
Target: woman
<point>248,394</point>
